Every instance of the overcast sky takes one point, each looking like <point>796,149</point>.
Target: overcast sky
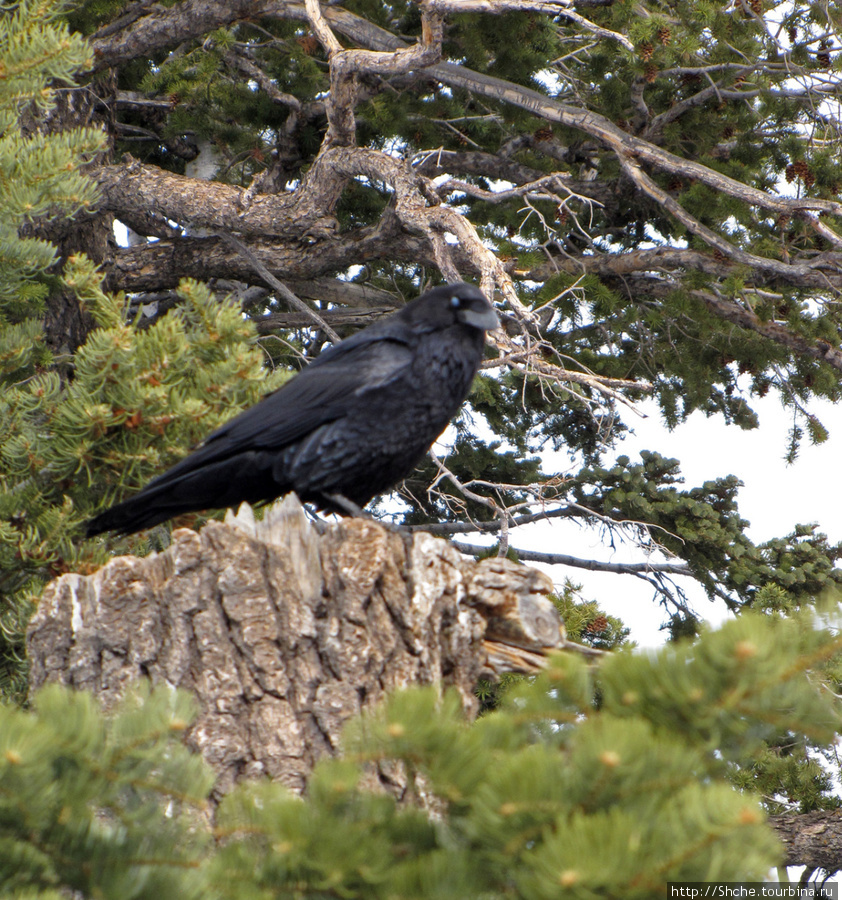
<point>774,499</point>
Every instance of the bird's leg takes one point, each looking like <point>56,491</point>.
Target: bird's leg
<point>315,519</point>
<point>340,501</point>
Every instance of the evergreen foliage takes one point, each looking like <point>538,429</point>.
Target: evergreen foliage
<point>584,783</point>
<point>39,175</point>
<point>139,400</point>
<point>108,808</point>
<point>38,172</point>
<point>703,526</point>
<point>578,783</point>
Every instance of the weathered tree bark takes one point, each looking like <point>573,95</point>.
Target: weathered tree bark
<point>812,839</point>
<point>284,634</point>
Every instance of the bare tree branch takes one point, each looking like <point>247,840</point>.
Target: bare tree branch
<point>592,565</point>
<point>337,318</point>
<point>552,7</point>
<point>135,189</point>
<point>281,289</point>
<point>240,59</point>
<point>151,27</point>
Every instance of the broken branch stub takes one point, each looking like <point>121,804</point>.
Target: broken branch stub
<point>284,634</point>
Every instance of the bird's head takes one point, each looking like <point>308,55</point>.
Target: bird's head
<point>451,304</point>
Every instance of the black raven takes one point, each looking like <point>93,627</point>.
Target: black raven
<point>353,423</point>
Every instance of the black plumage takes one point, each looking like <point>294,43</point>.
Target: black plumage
<point>353,423</point>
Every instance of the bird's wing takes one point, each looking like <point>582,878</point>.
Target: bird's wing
<point>319,394</point>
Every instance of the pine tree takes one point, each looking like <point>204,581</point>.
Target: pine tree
<point>611,174</point>
<point>39,176</point>
<point>104,808</point>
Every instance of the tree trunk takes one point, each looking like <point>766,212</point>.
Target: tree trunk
<point>66,322</point>
<point>284,634</point>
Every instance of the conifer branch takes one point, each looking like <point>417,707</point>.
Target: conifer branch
<point>725,247</point>
<point>240,58</point>
<point>560,8</point>
<point>745,317</point>
<point>624,144</point>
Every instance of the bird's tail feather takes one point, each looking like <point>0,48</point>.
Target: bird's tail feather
<point>147,509</point>
<point>247,476</point>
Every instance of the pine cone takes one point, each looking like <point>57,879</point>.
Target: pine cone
<point>664,35</point>
<point>650,73</point>
<point>646,51</point>
<point>793,34</point>
<point>800,169</point>
<point>308,44</point>
<point>823,57</point>
<point>543,134</point>
<point>756,7</point>
<point>597,625</point>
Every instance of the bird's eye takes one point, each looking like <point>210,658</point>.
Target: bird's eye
<point>455,302</point>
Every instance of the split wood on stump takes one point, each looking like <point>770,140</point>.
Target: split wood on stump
<point>284,634</point>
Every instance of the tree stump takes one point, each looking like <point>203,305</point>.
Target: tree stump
<point>283,633</point>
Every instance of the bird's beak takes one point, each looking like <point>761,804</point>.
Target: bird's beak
<point>486,320</point>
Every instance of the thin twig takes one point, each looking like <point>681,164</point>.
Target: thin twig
<point>278,286</point>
